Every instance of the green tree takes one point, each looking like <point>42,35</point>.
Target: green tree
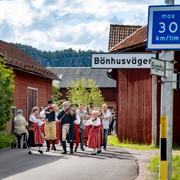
<point>95,95</point>
<point>6,93</point>
<point>77,93</point>
<point>59,58</point>
<point>56,94</point>
<point>84,91</point>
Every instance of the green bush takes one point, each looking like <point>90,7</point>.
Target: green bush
<point>6,93</point>
<point>6,139</point>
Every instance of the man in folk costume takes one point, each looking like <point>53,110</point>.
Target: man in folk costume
<point>67,117</point>
<point>50,126</point>
<point>94,139</point>
<point>36,137</point>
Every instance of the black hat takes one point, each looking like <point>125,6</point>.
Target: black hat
<point>50,102</point>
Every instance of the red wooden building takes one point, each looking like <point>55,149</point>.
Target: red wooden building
<point>33,82</point>
<point>138,97</point>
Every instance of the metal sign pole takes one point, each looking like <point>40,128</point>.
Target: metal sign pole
<point>166,118</point>
<point>167,114</point>
<point>169,2</point>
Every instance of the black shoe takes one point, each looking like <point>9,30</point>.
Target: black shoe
<point>47,150</point>
<point>40,151</point>
<point>64,147</point>
<point>93,153</point>
<point>82,149</point>
<point>48,145</point>
<point>105,149</point>
<point>29,152</point>
<point>24,146</point>
<point>99,152</point>
<point>75,150</point>
<point>53,145</point>
<point>71,147</point>
<point>71,152</point>
<point>64,152</point>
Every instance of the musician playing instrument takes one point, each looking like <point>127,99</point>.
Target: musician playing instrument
<point>67,117</point>
<point>50,126</point>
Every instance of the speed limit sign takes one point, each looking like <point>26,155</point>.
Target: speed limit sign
<point>163,28</point>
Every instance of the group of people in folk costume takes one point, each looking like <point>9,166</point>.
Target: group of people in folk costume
<point>76,126</point>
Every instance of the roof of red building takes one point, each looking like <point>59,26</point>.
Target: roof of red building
<point>69,74</point>
<point>136,39</point>
<point>118,33</point>
<point>19,60</point>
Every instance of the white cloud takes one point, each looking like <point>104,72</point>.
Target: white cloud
<point>59,24</point>
<point>16,13</point>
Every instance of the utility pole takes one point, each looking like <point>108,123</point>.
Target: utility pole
<point>167,109</point>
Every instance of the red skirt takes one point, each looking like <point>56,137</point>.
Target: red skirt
<point>76,131</point>
<point>86,134</point>
<point>38,135</point>
<point>58,131</point>
<point>94,138</point>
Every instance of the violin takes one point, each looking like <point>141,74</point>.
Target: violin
<point>70,111</point>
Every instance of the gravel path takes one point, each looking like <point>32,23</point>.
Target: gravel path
<point>142,157</point>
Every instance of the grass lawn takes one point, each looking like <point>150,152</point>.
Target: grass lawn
<point>113,141</point>
<point>5,139</point>
<point>154,166</point>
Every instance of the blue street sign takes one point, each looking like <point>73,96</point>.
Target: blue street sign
<point>163,28</point>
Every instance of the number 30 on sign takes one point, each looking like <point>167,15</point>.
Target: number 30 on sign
<point>163,28</point>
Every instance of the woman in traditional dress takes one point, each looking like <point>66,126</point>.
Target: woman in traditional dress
<point>36,138</point>
<point>76,132</point>
<point>87,124</point>
<point>94,138</point>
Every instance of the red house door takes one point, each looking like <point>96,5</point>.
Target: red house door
<point>32,99</point>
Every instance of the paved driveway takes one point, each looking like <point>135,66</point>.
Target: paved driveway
<point>114,164</point>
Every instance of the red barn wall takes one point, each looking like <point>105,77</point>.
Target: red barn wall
<point>176,119</point>
<point>109,95</point>
<point>134,105</point>
<point>23,81</point>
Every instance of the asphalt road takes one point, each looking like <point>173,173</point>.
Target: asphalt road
<point>114,164</point>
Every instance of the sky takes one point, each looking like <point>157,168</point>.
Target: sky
<point>60,24</point>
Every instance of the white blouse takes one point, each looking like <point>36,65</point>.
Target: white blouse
<point>106,119</point>
<point>96,122</point>
<point>34,119</point>
<point>87,122</point>
<point>42,114</point>
<point>78,119</point>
